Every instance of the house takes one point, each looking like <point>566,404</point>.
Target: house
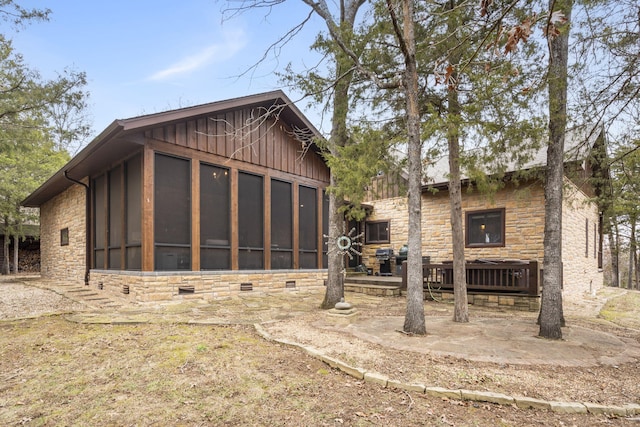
<point>505,225</point>
<point>199,202</point>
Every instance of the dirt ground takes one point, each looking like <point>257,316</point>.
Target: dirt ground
<point>60,369</point>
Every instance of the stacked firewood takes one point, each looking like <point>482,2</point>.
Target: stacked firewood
<point>28,261</point>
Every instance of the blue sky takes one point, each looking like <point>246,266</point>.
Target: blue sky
<point>143,56</point>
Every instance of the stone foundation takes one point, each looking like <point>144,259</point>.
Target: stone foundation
<point>507,302</point>
<point>203,285</point>
<point>374,290</point>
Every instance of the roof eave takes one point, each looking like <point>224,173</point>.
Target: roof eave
<point>35,199</point>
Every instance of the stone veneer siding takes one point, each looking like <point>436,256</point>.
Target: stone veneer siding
<point>66,210</point>
<point>524,229</point>
<point>67,263</point>
<point>206,285</point>
<point>579,254</point>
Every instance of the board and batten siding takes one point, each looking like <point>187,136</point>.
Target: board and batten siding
<point>243,137</point>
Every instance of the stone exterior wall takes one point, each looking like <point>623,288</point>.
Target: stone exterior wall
<point>524,229</point>
<point>394,210</point>
<point>66,210</point>
<point>580,243</point>
<point>524,223</point>
<point>203,285</point>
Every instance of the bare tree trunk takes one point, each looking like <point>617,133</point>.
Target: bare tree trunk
<point>461,308</point>
<point>636,270</point>
<point>633,249</point>
<point>632,252</point>
<point>634,237</point>
<point>4,268</point>
<point>335,278</point>
<point>339,138</point>
<point>5,255</point>
<point>16,242</point>
<point>414,321</point>
<point>630,270</point>
<point>614,250</point>
<point>615,255</point>
<point>551,312</point>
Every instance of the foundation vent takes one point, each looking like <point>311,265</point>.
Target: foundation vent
<point>246,286</point>
<point>187,289</point>
<point>290,284</point>
<point>125,289</point>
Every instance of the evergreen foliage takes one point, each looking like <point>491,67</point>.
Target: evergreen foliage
<point>39,120</point>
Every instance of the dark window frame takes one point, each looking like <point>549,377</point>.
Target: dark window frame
<point>133,177</point>
<point>172,250</point>
<point>219,247</point>
<point>307,227</point>
<point>471,215</point>
<point>282,232</point>
<point>114,210</point>
<point>64,236</point>
<point>251,227</point>
<point>100,217</point>
<point>377,239</point>
<point>586,236</point>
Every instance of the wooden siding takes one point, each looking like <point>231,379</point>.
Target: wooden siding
<point>243,136</point>
<point>386,186</point>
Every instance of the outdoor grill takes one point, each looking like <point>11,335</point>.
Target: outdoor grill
<point>384,255</point>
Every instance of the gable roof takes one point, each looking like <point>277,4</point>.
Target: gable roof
<point>579,142</point>
<point>125,136</point>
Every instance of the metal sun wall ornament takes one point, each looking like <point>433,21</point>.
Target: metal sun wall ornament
<point>346,244</point>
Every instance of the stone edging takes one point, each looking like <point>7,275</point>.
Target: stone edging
<point>626,410</point>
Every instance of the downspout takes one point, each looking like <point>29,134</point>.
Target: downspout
<point>88,225</point>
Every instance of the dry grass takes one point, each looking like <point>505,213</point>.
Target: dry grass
<point>623,311</point>
<point>56,372</point>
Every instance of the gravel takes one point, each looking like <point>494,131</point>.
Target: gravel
<point>22,300</point>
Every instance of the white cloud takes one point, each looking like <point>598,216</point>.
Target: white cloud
<point>233,42</point>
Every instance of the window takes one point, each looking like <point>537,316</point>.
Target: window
<point>281,225</point>
<point>215,246</point>
<point>250,222</point>
<point>586,236</point>
<point>64,237</point>
<point>115,218</point>
<point>99,229</point>
<point>133,233</point>
<point>308,226</point>
<point>377,232</point>
<point>172,213</point>
<point>595,240</point>
<point>485,228</point>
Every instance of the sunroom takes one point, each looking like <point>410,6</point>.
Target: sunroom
<point>204,201</point>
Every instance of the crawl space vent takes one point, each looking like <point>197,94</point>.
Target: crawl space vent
<point>246,286</point>
<point>289,284</point>
<point>125,289</point>
<point>186,290</point>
